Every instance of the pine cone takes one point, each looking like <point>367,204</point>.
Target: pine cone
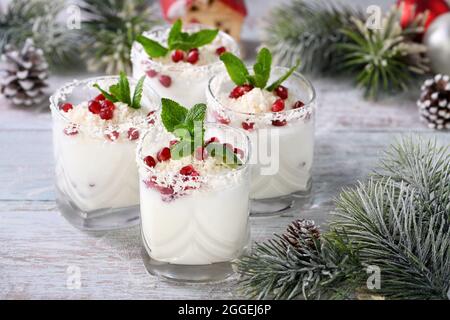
<point>302,232</point>
<point>434,103</point>
<point>23,75</point>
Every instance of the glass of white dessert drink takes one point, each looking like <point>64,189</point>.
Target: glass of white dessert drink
<point>194,206</point>
<point>279,119</point>
<point>178,64</point>
<point>95,136</point>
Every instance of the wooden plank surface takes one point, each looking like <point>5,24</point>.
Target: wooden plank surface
<point>39,250</point>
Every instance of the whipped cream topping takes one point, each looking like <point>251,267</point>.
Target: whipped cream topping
<point>255,101</point>
<point>124,118</point>
<point>210,165</point>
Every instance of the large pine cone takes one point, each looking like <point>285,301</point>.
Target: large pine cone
<point>434,103</point>
<point>23,75</point>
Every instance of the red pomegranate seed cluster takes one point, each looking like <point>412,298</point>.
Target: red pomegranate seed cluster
<point>102,107</point>
<point>192,56</point>
<point>188,172</point>
<point>239,91</point>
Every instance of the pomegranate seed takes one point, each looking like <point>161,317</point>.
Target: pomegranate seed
<point>248,125</point>
<point>239,91</point>
<point>299,104</point>
<point>133,134</point>
<point>173,142</point>
<point>100,97</point>
<point>201,154</point>
<point>150,118</point>
<point>113,136</point>
<point>71,130</point>
<point>193,56</point>
<point>167,191</point>
<point>106,104</point>
<point>164,154</point>
<point>150,161</point>
<point>165,81</point>
<point>189,171</point>
<point>177,56</point>
<point>239,152</point>
<point>151,73</point>
<point>211,140</point>
<point>66,107</point>
<point>278,105</point>
<point>106,114</point>
<point>282,92</point>
<point>223,120</point>
<point>94,106</point>
<point>279,123</point>
<point>221,50</point>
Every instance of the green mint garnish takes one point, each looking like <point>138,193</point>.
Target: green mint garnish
<point>236,69</point>
<point>178,40</point>
<point>277,83</point>
<point>188,127</point>
<point>262,68</point>
<point>240,75</point>
<point>151,47</point>
<point>120,92</point>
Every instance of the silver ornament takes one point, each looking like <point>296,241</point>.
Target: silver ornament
<point>437,40</point>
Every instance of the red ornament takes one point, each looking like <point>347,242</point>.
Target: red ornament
<point>412,8</point>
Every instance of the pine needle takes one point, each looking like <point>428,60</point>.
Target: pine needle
<point>398,221</point>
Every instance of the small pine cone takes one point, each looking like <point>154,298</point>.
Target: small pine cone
<point>434,102</point>
<point>300,232</point>
<point>23,75</point>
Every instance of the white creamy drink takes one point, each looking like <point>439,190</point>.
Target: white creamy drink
<point>181,74</point>
<point>94,146</point>
<point>280,124</point>
<point>194,208</point>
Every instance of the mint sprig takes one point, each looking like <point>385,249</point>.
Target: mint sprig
<point>120,92</point>
<point>283,78</point>
<point>178,40</point>
<point>188,127</point>
<point>240,75</point>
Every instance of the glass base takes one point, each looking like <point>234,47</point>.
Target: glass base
<point>187,273</point>
<point>98,220</point>
<point>214,272</point>
<point>281,205</point>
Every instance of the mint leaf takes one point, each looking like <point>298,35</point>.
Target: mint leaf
<point>277,83</point>
<point>137,96</point>
<point>228,157</point>
<point>174,33</point>
<point>236,68</point>
<point>185,41</point>
<point>151,47</point>
<point>108,96</point>
<point>115,91</point>
<point>262,68</point>
<point>203,37</point>
<point>124,86</point>
<point>172,114</point>
<point>181,149</point>
<point>197,113</point>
